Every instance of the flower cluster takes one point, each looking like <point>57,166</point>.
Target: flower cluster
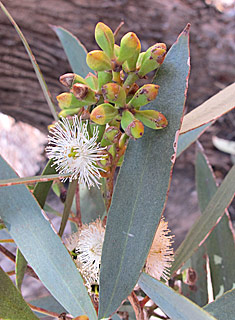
<point>74,152</point>
<point>160,255</point>
<point>87,245</point>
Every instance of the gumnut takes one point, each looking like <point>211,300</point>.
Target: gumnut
<point>69,79</point>
<point>151,118</point>
<point>84,93</point>
<point>144,95</point>
<point>133,127</point>
<point>114,93</point>
<point>98,60</point>
<point>105,39</point>
<point>103,113</point>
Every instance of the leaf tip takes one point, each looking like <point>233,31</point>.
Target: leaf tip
<point>186,29</point>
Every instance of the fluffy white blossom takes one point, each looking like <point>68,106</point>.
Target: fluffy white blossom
<point>74,152</point>
<point>160,255</point>
<point>87,244</point>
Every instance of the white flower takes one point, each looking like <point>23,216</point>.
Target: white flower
<point>160,255</point>
<point>87,244</point>
<point>74,152</point>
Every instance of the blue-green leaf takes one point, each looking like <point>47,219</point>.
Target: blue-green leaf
<point>75,51</point>
<point>48,303</point>
<point>20,268</point>
<point>176,306</point>
<point>214,210</point>
<point>12,304</point>
<point>143,182</point>
<point>223,308</point>
<point>220,243</point>
<point>41,247</point>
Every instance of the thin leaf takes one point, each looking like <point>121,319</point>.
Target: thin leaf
<point>201,228</point>
<point>34,63</point>
<point>186,139</point>
<point>75,51</point>
<point>197,292</point>
<point>172,303</point>
<point>29,180</point>
<point>41,247</point>
<point>210,110</point>
<point>223,308</point>
<point>143,182</point>
<point>12,304</point>
<point>41,189</point>
<point>20,268</point>
<point>220,243</point>
<point>68,205</point>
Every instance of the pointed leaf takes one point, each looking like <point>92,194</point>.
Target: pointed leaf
<point>197,292</point>
<point>210,110</point>
<point>75,51</point>
<point>12,304</point>
<point>20,268</point>
<point>223,308</point>
<point>172,303</point>
<point>220,243</point>
<point>143,182</point>
<point>201,228</point>
<point>41,247</point>
<point>37,70</point>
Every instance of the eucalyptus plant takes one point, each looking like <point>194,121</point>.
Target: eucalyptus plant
<point>119,258</point>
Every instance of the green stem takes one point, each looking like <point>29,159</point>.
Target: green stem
<point>68,205</point>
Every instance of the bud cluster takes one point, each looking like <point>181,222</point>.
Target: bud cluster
<point>111,98</point>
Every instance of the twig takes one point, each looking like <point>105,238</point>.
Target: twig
<point>7,240</point>
<point>144,301</point>
<point>78,217</point>
<point>49,313</point>
<point>118,29</point>
<point>136,306</point>
<point>12,257</point>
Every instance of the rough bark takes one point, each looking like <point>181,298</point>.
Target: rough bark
<point>212,45</point>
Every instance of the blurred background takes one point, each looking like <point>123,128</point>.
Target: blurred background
<point>212,46</point>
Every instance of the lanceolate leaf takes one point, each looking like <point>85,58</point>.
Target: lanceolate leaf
<point>34,63</point>
<point>75,51</point>
<point>223,308</point>
<point>12,304</point>
<point>220,243</point>
<point>20,268</point>
<point>176,306</point>
<point>201,228</point>
<point>186,139</point>
<point>41,247</point>
<point>140,193</point>
<point>210,110</point>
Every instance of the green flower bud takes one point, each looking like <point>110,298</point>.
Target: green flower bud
<point>116,50</point>
<point>105,38</point>
<point>112,134</point>
<point>132,126</point>
<point>144,95</point>
<point>103,78</point>
<point>130,46</point>
<point>123,140</point>
<point>68,112</point>
<point>112,92</point>
<point>112,150</point>
<point>131,63</point>
<point>139,60</point>
<point>151,118</point>
<point>68,100</point>
<point>98,60</point>
<point>152,58</point>
<point>103,113</point>
<point>84,94</point>
<point>92,81</point>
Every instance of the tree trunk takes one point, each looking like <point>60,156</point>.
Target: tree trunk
<point>212,45</point>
